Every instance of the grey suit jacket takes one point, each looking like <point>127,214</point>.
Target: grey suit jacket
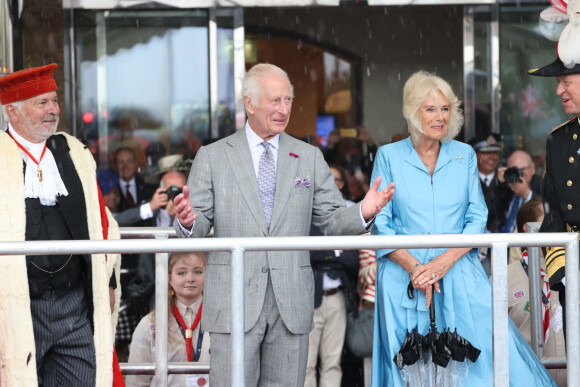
<point>224,194</point>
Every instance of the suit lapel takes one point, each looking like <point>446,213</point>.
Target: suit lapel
<point>285,174</point>
<point>240,160</point>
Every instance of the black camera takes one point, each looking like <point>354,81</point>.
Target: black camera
<point>173,191</point>
<point>513,175</point>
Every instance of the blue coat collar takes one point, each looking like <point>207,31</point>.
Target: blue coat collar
<point>445,156</point>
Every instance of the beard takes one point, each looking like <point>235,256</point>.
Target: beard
<point>47,131</point>
<point>40,130</point>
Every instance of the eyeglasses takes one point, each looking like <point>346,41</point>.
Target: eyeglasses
<point>524,168</point>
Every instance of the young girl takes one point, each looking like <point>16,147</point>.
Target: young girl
<point>186,277</point>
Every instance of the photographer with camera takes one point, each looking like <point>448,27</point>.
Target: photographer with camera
<point>172,184</point>
<point>520,176</point>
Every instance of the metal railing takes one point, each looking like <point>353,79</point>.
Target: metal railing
<point>499,244</point>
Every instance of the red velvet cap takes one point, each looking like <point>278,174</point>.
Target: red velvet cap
<point>27,83</point>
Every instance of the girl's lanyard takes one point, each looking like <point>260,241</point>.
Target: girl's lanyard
<point>188,333</point>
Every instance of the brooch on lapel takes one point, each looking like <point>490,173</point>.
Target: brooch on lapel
<point>294,155</point>
<point>301,182</point>
<point>460,158</point>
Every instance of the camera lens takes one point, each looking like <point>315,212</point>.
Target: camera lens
<point>173,191</point>
<point>512,175</point>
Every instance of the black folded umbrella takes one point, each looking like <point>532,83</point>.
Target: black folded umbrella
<point>411,350</point>
<point>440,354</point>
<point>410,360</point>
<point>460,348</point>
<point>424,360</point>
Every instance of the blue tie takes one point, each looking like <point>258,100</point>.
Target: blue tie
<point>267,181</point>
<point>511,217</point>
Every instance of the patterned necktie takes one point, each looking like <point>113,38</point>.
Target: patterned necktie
<point>129,197</point>
<point>267,181</point>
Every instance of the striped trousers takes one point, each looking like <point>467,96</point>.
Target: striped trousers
<point>65,353</point>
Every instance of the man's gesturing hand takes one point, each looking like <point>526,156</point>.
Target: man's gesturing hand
<point>374,200</point>
<point>184,209</point>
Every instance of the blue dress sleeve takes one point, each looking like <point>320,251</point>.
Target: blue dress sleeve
<point>476,213</point>
<point>384,220</point>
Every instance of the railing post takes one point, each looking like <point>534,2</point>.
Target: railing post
<point>500,315</point>
<point>572,313</point>
<point>535,286</point>
<point>238,318</point>
<point>161,316</point>
<point>534,278</point>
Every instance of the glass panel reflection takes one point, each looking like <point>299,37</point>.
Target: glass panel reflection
<point>530,106</point>
<point>144,78</point>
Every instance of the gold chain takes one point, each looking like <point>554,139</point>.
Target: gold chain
<point>51,272</point>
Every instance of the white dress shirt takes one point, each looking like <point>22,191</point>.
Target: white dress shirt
<point>51,185</point>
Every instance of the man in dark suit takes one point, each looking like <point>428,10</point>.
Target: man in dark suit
<point>57,307</point>
<point>497,195</point>
<point>134,191</point>
<point>261,182</point>
<point>561,194</point>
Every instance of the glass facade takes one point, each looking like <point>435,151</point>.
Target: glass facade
<point>530,107</point>
<point>142,82</point>
<point>142,77</point>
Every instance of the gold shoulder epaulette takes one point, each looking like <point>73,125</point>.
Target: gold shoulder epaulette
<point>563,124</point>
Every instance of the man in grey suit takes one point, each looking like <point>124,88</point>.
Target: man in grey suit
<point>261,182</point>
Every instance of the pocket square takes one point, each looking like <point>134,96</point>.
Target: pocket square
<point>301,182</point>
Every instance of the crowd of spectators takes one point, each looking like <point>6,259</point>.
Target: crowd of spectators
<point>344,280</point>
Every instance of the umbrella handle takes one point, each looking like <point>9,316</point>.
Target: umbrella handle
<point>432,309</point>
<point>410,289</point>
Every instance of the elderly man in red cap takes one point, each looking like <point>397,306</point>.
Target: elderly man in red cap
<point>561,194</point>
<point>56,320</point>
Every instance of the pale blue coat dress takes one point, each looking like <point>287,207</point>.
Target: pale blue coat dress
<point>450,202</point>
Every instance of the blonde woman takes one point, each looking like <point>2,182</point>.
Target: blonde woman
<point>438,192</point>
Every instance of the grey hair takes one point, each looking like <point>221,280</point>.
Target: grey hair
<point>251,86</point>
<point>420,85</point>
<point>17,105</point>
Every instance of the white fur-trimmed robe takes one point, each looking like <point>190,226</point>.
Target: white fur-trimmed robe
<point>17,349</point>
